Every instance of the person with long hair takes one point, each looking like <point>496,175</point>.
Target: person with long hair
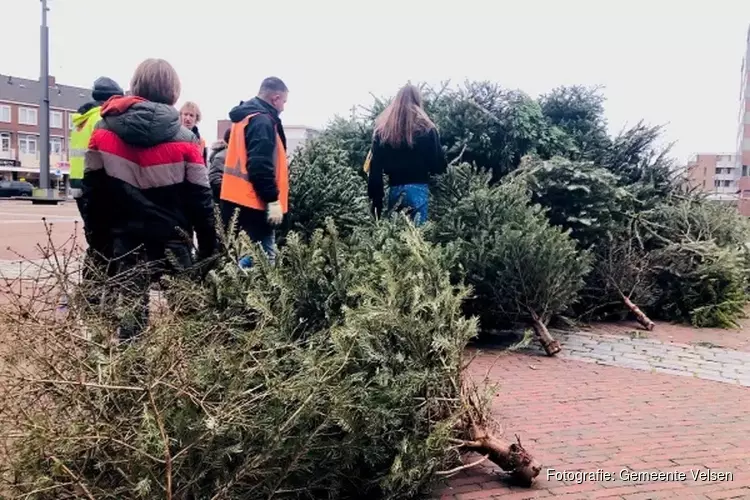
<point>406,148</point>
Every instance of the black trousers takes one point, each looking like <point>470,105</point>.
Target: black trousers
<point>253,222</point>
<point>138,265</point>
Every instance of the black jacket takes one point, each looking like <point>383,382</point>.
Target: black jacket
<point>260,142</point>
<point>404,164</point>
<point>145,180</point>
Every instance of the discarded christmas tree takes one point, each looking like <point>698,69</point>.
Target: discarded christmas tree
<point>520,267</point>
<point>619,281</point>
<point>579,196</point>
<point>700,283</point>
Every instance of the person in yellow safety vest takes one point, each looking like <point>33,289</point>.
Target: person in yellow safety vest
<point>256,175</point>
<point>83,125</point>
<point>84,121</point>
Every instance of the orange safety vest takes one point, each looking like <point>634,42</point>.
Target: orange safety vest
<point>235,186</point>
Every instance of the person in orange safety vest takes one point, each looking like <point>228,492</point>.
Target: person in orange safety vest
<point>256,174</point>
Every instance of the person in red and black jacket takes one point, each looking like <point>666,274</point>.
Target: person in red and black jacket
<point>146,187</point>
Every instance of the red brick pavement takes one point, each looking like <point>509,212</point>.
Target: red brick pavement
<point>577,416</point>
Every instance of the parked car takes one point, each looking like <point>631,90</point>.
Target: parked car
<point>15,188</point>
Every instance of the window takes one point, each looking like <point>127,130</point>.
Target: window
<point>70,121</point>
<point>5,142</point>
<point>717,183</point>
<point>726,184</point>
<point>744,170</point>
<point>5,114</point>
<point>56,119</point>
<point>27,116</point>
<point>55,146</point>
<point>27,144</point>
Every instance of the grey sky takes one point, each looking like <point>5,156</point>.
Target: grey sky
<point>660,60</point>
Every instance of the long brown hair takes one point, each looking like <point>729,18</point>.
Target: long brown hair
<point>403,118</point>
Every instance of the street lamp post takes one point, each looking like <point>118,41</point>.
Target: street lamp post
<point>44,105</point>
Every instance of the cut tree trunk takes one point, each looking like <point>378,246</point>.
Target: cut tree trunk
<point>549,343</point>
<point>512,458</point>
<point>644,320</point>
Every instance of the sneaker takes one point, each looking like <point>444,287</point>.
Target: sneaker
<point>62,309</point>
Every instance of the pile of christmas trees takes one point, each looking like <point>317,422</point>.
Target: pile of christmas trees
<point>548,216</point>
<point>338,372</point>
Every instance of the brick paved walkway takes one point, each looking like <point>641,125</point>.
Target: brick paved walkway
<point>721,365</point>
<point>650,413</point>
<point>734,338</point>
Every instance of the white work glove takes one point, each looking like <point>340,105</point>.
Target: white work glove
<point>275,216</point>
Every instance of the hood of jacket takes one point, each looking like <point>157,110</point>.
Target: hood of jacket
<point>218,150</point>
<point>85,108</point>
<point>84,114</point>
<point>139,122</point>
<point>254,105</point>
<point>258,105</point>
<point>218,146</point>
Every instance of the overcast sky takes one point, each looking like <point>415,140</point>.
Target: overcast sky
<point>662,61</point>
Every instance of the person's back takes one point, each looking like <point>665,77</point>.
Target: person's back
<point>149,160</point>
<point>405,164</point>
<point>146,186</point>
<point>406,148</point>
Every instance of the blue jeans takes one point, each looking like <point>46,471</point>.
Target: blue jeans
<point>268,243</point>
<point>412,197</point>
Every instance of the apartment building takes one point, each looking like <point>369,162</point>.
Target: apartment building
<point>20,131</point>
<point>726,176</point>
<point>716,174</point>
<point>743,132</point>
<point>296,135</point>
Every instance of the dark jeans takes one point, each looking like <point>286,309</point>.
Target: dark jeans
<point>414,198</point>
<point>216,191</point>
<point>138,266</point>
<point>255,224</point>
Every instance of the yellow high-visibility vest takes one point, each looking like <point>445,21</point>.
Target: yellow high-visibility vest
<point>83,127</point>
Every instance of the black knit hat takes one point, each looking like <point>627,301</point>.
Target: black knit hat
<point>104,88</point>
